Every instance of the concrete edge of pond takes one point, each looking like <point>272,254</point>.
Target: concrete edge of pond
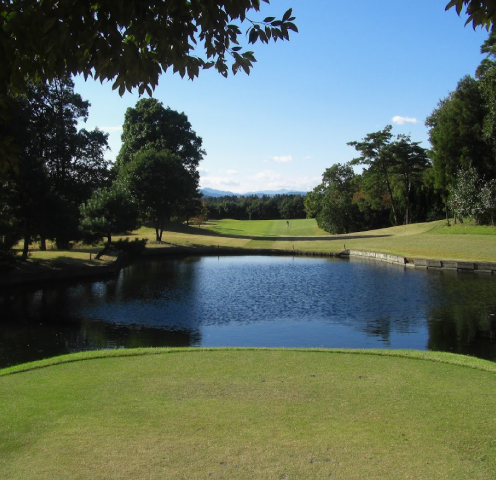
<point>428,263</point>
<point>88,272</point>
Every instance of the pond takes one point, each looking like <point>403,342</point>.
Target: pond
<point>253,302</point>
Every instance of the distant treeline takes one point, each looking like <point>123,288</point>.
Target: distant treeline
<point>253,207</point>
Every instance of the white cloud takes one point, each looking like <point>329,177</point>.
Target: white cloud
<point>117,128</point>
<point>402,120</point>
<point>203,169</point>
<point>283,158</point>
<point>231,172</point>
<point>218,182</point>
<point>304,184</point>
<point>266,175</point>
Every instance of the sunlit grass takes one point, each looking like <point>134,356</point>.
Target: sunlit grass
<point>423,240</point>
<point>269,228</point>
<point>465,228</point>
<point>420,240</point>
<point>250,414</point>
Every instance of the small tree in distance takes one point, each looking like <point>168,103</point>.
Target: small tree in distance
<point>109,210</point>
<point>159,183</point>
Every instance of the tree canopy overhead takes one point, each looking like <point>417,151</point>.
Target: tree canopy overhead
<point>480,12</point>
<point>130,42</point>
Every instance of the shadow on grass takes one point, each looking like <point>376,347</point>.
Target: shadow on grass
<point>58,263</point>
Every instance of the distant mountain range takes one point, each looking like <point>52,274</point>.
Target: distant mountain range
<point>210,192</point>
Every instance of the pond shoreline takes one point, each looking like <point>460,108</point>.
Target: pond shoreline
<point>28,277</point>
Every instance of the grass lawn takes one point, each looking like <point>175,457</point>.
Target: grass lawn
<point>422,240</point>
<point>249,414</point>
<point>257,414</point>
<point>267,228</point>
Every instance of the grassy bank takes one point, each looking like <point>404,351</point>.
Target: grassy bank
<point>250,414</point>
<point>423,240</point>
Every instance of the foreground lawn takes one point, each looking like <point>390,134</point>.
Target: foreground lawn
<point>249,414</point>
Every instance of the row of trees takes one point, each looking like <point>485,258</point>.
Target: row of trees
<point>49,167</point>
<point>402,182</point>
<point>62,188</point>
<point>57,166</point>
<point>253,207</point>
<point>390,190</point>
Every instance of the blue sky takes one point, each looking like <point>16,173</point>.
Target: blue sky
<point>353,68</point>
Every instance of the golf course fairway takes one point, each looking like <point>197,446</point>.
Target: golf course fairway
<point>249,414</point>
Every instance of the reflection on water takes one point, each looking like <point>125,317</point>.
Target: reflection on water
<point>253,301</point>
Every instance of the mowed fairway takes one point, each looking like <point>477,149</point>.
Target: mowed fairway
<point>250,414</point>
<point>267,228</point>
<point>421,240</point>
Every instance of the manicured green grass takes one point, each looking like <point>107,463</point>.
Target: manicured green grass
<point>468,227</point>
<point>249,414</point>
<point>422,240</point>
<point>267,228</point>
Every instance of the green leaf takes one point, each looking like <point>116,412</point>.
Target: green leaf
<point>253,35</point>
<point>292,26</point>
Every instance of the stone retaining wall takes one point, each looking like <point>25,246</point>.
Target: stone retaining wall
<point>382,257</point>
<point>478,267</point>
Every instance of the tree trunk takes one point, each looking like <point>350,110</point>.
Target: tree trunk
<point>390,191</point>
<point>27,240</point>
<point>159,229</point>
<point>393,205</point>
<point>43,243</point>
<point>408,214</point>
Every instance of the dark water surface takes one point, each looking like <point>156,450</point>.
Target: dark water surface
<point>254,301</point>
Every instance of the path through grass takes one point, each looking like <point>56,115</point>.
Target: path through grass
<point>250,414</point>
